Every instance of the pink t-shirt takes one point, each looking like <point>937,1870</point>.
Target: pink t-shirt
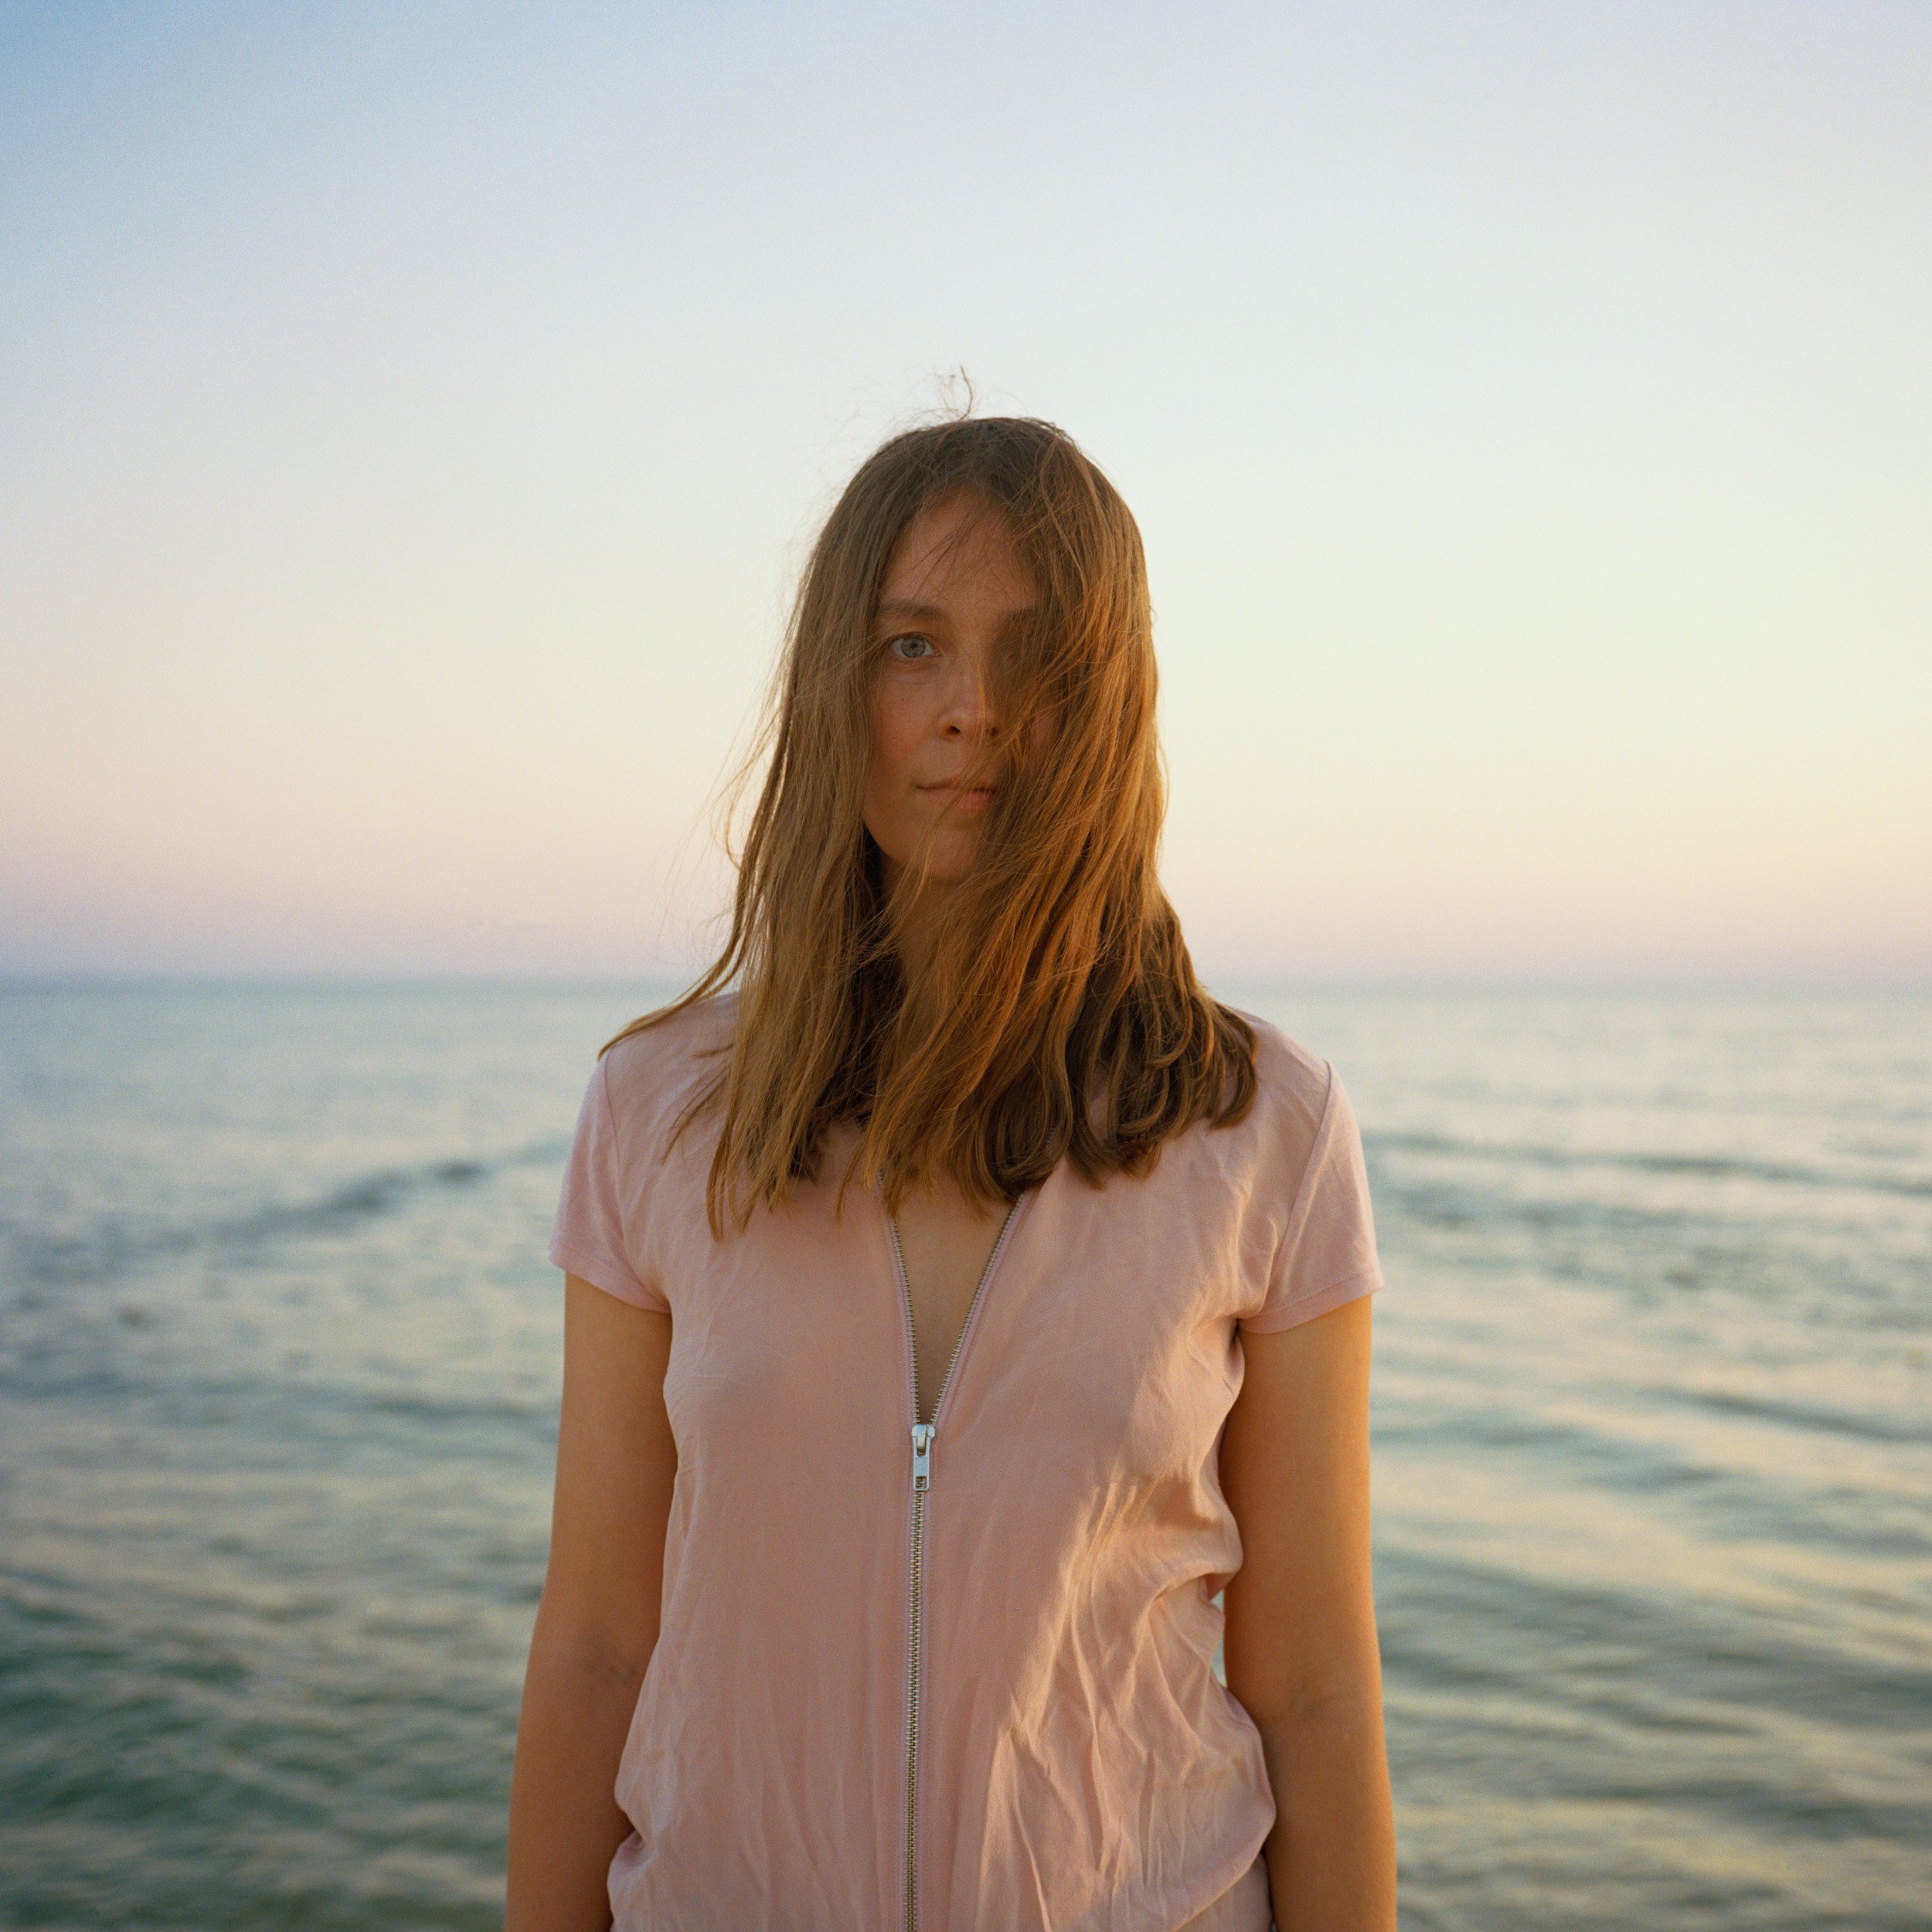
<point>966,1684</point>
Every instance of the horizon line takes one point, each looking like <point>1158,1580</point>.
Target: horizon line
<point>1657,980</point>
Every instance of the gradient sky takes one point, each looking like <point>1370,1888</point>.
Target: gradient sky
<point>411,419</point>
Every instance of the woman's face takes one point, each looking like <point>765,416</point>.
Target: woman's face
<point>954,590</point>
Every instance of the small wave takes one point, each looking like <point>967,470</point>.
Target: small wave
<point>110,1250</point>
<point>1705,1650</point>
<point>1699,1166</point>
<point>443,1410</point>
<point>371,1195</point>
<point>1807,1416</point>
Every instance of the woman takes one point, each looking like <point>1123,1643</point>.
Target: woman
<point>951,1311</point>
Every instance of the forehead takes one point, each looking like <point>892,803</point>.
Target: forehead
<point>959,550</point>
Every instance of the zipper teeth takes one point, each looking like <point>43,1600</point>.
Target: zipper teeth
<point>915,1613</point>
<point>972,1308</point>
<point>912,1723</point>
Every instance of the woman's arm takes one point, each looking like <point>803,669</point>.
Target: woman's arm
<point>598,1622</point>
<point>1301,1647</point>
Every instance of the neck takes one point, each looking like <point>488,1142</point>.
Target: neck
<point>918,926</point>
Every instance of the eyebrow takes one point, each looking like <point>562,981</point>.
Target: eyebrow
<point>905,608</point>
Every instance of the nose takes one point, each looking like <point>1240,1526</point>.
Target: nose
<point>967,711</point>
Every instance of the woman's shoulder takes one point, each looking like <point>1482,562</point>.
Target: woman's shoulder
<point>656,1070</point>
<point>1313,1195</point>
<point>1295,1085</point>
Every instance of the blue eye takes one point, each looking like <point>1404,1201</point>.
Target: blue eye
<point>924,645</point>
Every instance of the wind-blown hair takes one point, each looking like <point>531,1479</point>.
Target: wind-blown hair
<point>1059,1014</point>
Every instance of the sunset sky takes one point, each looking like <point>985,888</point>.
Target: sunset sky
<point>412,420</point>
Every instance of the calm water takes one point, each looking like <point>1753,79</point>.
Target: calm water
<point>278,1374</point>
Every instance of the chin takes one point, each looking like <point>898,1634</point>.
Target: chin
<point>947,859</point>
<point>946,867</point>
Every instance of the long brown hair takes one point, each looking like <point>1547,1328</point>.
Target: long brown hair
<point>1058,1013</point>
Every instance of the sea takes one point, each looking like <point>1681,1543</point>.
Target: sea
<point>1651,1416</point>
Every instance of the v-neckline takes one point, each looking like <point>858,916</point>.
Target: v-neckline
<point>1002,1239</point>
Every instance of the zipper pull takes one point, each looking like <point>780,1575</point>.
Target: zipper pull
<point>922,1455</point>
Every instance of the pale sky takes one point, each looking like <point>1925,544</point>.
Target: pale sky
<point>412,420</point>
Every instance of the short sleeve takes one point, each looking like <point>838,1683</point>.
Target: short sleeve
<point>588,1239</point>
<point>1327,1254</point>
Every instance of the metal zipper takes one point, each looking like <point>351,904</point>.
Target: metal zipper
<point>923,1433</point>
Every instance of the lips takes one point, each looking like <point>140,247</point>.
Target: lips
<point>969,798</point>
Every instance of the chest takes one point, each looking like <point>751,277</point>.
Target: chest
<point>945,1248</point>
<point>1091,1334</point>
